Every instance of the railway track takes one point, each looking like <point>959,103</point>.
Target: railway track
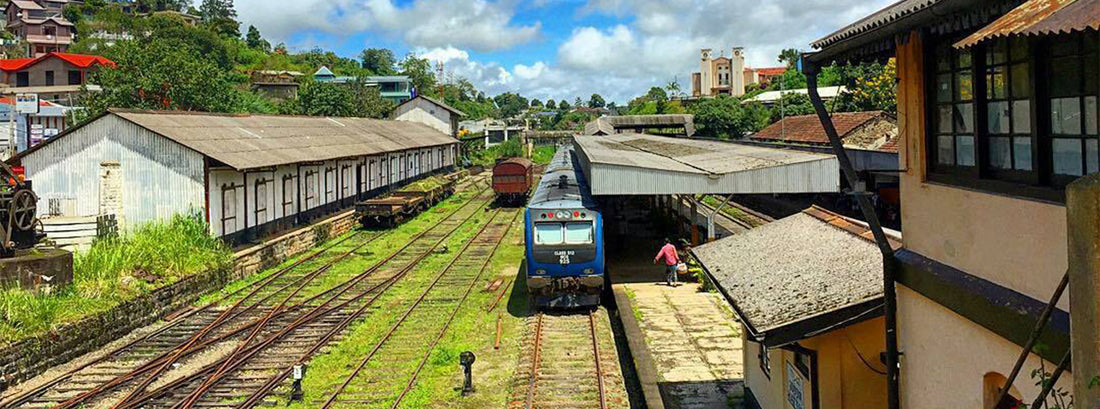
<point>272,317</point>
<point>569,361</point>
<point>384,376</point>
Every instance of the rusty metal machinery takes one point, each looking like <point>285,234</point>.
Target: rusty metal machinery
<point>18,213</point>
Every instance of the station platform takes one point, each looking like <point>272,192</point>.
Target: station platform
<point>685,341</point>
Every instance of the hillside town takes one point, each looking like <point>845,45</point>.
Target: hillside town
<point>491,204</point>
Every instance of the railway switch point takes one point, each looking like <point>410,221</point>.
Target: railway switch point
<point>466,359</point>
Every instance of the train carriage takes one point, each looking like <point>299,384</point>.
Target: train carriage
<point>564,238</point>
<point>512,180</point>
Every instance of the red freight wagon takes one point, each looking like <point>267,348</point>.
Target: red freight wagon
<point>512,179</point>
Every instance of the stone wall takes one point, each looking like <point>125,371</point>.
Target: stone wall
<point>30,357</point>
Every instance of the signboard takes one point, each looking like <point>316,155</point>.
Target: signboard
<point>795,384</point>
<point>26,103</point>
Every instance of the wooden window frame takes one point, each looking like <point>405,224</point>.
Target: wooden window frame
<point>311,175</point>
<point>329,193</point>
<point>288,195</point>
<point>256,210</point>
<point>230,187</point>
<point>1038,183</point>
<point>765,360</point>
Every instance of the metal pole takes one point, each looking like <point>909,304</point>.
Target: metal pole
<point>1035,333</point>
<point>889,263</point>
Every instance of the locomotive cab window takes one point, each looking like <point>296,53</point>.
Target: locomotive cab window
<point>548,233</point>
<point>578,233</point>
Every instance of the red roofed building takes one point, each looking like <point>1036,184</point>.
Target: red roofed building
<point>870,130</point>
<point>55,76</point>
<point>763,76</point>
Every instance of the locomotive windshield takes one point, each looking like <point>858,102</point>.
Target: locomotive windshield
<point>578,233</point>
<point>568,233</point>
<point>548,233</point>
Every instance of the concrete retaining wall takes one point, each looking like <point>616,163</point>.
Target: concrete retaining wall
<point>27,358</point>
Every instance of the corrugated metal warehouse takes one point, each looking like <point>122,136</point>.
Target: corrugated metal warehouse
<point>248,174</point>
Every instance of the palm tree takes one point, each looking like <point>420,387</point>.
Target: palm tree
<point>673,88</point>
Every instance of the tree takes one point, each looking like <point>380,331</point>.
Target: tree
<point>792,104</point>
<point>673,88</point>
<point>657,94</point>
<point>368,102</point>
<point>535,103</point>
<point>790,56</point>
<point>220,16</point>
<point>564,105</point>
<point>725,117</point>
<point>419,71</point>
<point>550,104</point>
<point>870,87</point>
<point>510,104</point>
<point>323,99</point>
<point>577,103</point>
<point>162,73</point>
<point>596,101</point>
<point>379,61</point>
<point>254,40</point>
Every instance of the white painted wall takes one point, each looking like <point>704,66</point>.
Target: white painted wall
<point>425,112</point>
<point>159,177</point>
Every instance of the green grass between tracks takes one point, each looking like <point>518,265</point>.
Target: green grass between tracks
<point>473,329</point>
<point>113,271</point>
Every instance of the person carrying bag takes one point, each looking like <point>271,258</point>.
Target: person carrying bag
<point>672,263</point>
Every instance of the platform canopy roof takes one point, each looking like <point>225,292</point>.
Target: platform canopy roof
<point>641,164</point>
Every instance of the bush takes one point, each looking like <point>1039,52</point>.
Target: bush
<point>114,270</point>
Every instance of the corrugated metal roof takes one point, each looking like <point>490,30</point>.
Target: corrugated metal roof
<point>611,124</point>
<point>641,164</point>
<point>256,141</point>
<point>806,265</point>
<point>441,104</point>
<point>1040,17</point>
<point>877,19</point>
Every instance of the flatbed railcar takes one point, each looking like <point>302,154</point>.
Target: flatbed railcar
<point>564,238</point>
<point>512,180</point>
<point>394,208</point>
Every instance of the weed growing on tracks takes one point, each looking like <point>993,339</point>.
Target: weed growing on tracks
<point>114,270</point>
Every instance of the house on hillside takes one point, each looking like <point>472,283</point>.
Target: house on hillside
<point>808,292</point>
<point>275,84</point>
<point>248,175</point>
<point>997,115</point>
<point>396,88</point>
<point>40,25</point>
<point>431,112</point>
<point>56,77</point>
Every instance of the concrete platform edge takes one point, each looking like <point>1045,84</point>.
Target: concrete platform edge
<point>643,362</point>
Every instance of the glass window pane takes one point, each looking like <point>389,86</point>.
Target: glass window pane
<point>943,58</point>
<point>1021,116</point>
<point>964,118</point>
<point>1020,81</point>
<point>944,120</point>
<point>1090,116</point>
<point>998,118</point>
<point>1092,155</point>
<point>1000,153</point>
<point>1067,156</point>
<point>578,233</point>
<point>998,52</point>
<point>1018,48</point>
<point>964,58</point>
<point>548,233</point>
<point>964,86</point>
<point>1065,76</point>
<point>964,151</point>
<point>1065,116</point>
<point>943,88</point>
<point>945,150</point>
<point>995,83</point>
<point>1021,152</point>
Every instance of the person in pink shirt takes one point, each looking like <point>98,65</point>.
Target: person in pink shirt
<point>671,259</point>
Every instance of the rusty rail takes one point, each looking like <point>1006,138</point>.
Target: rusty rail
<point>596,354</point>
<point>536,362</point>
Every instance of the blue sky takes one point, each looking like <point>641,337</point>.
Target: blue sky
<point>557,48</point>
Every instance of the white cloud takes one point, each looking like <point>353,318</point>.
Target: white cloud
<point>480,25</point>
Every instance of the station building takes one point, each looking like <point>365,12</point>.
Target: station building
<point>248,175</point>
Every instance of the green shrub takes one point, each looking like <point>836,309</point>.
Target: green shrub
<point>114,270</point>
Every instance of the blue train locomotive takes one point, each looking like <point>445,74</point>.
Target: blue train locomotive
<point>564,238</point>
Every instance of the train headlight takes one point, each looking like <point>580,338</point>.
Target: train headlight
<point>589,271</point>
<point>540,272</point>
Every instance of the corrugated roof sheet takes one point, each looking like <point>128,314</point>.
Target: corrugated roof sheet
<point>1040,17</point>
<point>877,19</point>
<point>256,141</point>
<point>636,164</point>
<point>795,268</point>
<point>441,104</point>
<point>610,124</point>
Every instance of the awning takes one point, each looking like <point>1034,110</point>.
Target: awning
<point>641,164</point>
<point>1040,17</point>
